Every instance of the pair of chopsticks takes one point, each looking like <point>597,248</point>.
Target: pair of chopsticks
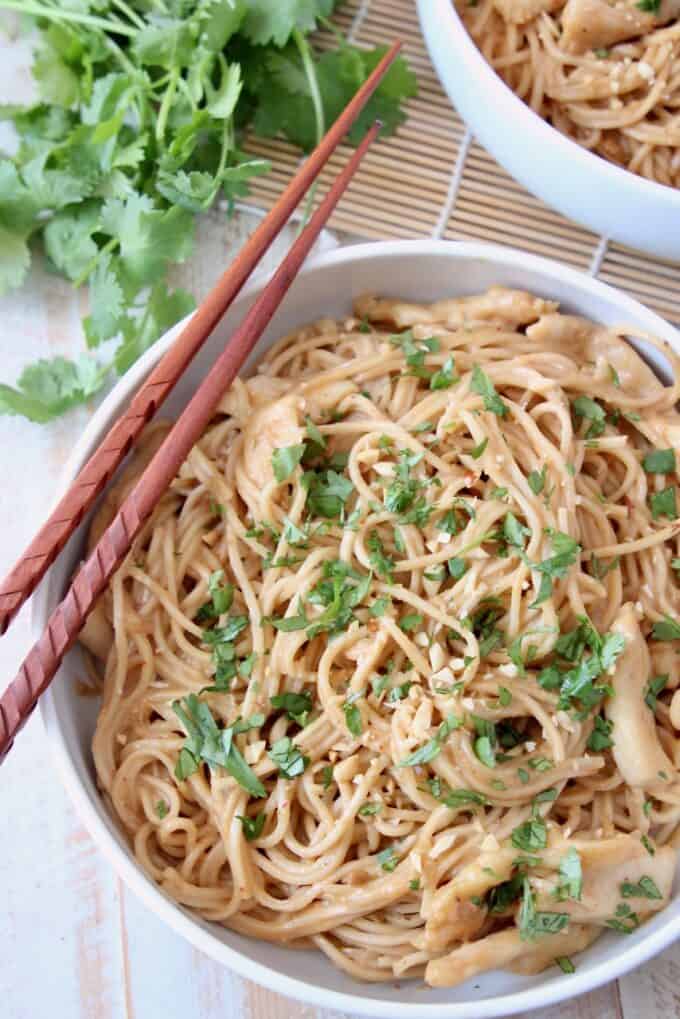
<point>65,623</point>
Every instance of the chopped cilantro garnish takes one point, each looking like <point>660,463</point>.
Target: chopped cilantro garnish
<point>428,751</point>
<point>600,737</point>
<point>666,629</point>
<point>654,688</point>
<point>288,758</point>
<point>536,480</point>
<point>663,503</point>
<point>484,387</point>
<point>296,705</point>
<point>584,407</point>
<point>252,826</point>
<point>207,743</point>
<point>531,835</point>
<point>644,889</point>
<point>286,459</point>
<point>388,859</point>
<point>659,461</point>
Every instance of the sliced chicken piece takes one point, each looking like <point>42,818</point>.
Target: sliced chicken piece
<point>504,950</point>
<point>598,24</point>
<point>273,426</point>
<point>453,916</point>
<point>582,341</point>
<point>519,11</point>
<point>601,892</point>
<point>637,750</point>
<point>500,305</point>
<point>544,951</point>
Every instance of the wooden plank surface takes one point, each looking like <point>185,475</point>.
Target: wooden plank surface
<point>75,944</point>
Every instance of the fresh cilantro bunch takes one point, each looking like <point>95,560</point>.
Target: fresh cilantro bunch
<point>142,106</point>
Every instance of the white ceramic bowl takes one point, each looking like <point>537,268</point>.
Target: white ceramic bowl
<point>599,195</point>
<point>418,270</point>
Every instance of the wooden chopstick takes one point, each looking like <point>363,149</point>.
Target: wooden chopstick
<point>70,510</point>
<point>65,623</point>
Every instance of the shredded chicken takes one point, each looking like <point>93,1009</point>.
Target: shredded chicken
<point>637,751</point>
<point>595,24</point>
<point>498,305</point>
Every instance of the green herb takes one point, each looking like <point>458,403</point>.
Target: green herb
<point>296,705</point>
<point>288,624</point>
<point>388,859</point>
<point>600,569</point>
<point>379,560</point>
<point>462,797</point>
<point>659,461</point>
<point>457,567</point>
<point>514,532</point>
<point>369,809</point>
<point>288,758</point>
<point>293,534</point>
<point>428,751</point>
<point>483,625</point>
<point>398,693</point>
<point>313,433</point>
<point>483,386</point>
<point>352,717</point>
<point>379,607</point>
<point>653,689</point>
<point>504,895</point>
<point>286,459</point>
<point>584,407</point>
<point>662,504</point>
<point>340,591</point>
<point>652,6</point>
<point>221,640</point>
<point>252,826</point>
<point>625,921</point>
<point>207,743</point>
<point>531,835</point>
<point>504,696</point>
<point>648,845</point>
<point>675,564</point>
<point>546,796</point>
<point>445,377</point>
<point>536,480</point>
<point>600,737</point>
<point>327,776</point>
<point>414,884</point>
<point>478,450</point>
<point>438,573</point>
<point>571,876</point>
<point>136,131</point>
<point>162,809</point>
<point>484,751</point>
<point>644,889</point>
<point>524,775</point>
<point>566,551</point>
<point>666,629</point>
<point>534,923</point>
<point>563,961</point>
<point>410,622</point>
<point>221,599</point>
<point>327,492</point>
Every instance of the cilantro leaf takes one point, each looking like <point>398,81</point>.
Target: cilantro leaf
<point>663,503</point>
<point>483,386</point>
<point>584,407</point>
<point>659,461</point>
<point>664,629</point>
<point>286,459</point>
<point>207,743</point>
<point>48,388</point>
<point>288,758</point>
<point>266,22</point>
<point>296,705</point>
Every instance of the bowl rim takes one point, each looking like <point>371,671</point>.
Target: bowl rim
<point>611,174</point>
<point>181,921</point>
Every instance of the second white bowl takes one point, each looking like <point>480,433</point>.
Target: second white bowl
<point>600,195</point>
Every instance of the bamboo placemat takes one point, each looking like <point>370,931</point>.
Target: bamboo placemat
<point>432,179</point>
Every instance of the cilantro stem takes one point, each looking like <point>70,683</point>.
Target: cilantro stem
<point>110,244</point>
<point>132,15</point>
<point>60,14</point>
<point>317,102</point>
<point>164,110</point>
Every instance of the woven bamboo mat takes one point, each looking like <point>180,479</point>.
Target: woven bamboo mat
<point>432,179</point>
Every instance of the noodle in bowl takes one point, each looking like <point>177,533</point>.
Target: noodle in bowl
<point>589,96</point>
<point>358,736</point>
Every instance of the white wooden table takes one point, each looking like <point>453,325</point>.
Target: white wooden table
<point>74,943</point>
